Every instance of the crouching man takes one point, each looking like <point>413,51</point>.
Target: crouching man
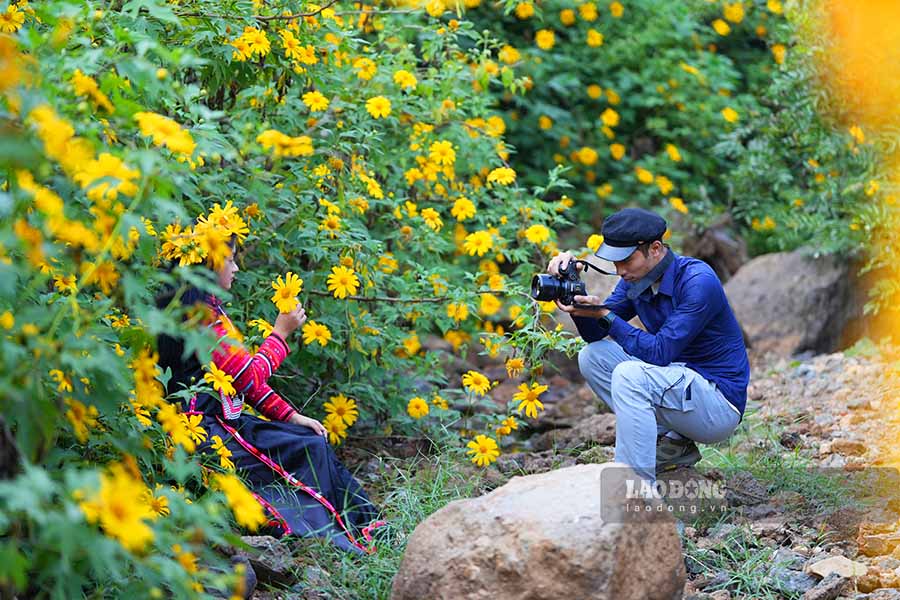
<point>682,381</point>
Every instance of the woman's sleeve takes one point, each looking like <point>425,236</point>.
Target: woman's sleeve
<point>251,372</point>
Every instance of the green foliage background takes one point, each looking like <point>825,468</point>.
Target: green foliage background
<point>176,59</point>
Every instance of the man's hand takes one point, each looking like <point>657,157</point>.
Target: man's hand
<point>560,261</point>
<point>287,323</point>
<point>298,419</point>
<point>584,312</point>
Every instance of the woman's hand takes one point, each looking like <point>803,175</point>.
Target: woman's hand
<point>298,419</point>
<point>287,323</point>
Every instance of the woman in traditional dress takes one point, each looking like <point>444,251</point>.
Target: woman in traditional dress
<point>285,458</point>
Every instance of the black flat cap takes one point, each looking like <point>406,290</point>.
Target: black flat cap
<point>624,230</point>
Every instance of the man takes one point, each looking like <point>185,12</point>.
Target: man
<point>685,378</point>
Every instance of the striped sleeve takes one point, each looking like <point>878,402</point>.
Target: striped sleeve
<point>252,371</point>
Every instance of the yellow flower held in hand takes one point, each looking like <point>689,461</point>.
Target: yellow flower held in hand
<point>476,383</point>
<point>342,282</point>
<point>484,450</point>
<point>528,399</point>
<point>316,332</point>
<point>219,380</point>
<point>417,408</point>
<point>286,291</point>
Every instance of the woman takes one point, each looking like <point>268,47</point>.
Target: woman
<point>286,460</point>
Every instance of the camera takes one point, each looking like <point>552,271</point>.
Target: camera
<point>563,288</point>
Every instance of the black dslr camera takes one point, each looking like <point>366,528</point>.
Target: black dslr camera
<point>563,288</point>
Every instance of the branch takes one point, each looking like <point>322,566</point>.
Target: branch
<point>261,18</point>
<point>435,300</point>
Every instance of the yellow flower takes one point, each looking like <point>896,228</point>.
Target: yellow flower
<point>365,68</point>
<point>86,86</point>
<point>342,282</point>
<point>502,175</point>
<point>121,507</point>
<point>617,151</point>
<point>112,176</point>
<point>490,305</point>
<point>343,407</point>
<point>594,38</point>
<point>435,8</point>
<point>285,145</point>
<point>316,101</point>
<point>610,117</point>
<point>545,122</point>
<point>775,6</point>
<point>463,209</point>
<point>336,427</point>
<point>187,560</point>
<point>412,345</point>
<point>7,321</point>
<point>262,325</point>
<point>331,224</point>
<point>594,91</point>
<point>11,20</point>
<point>316,332</point>
<point>673,153</point>
<point>193,428</point>
<point>514,366</point>
<point>524,10</point>
<point>872,188</point>
<point>594,242</point>
<point>165,132</point>
<point>537,234</point>
<point>528,399</point>
<point>616,9</point>
<point>545,39</point>
<point>496,282</point>
<point>509,55</point>
<point>246,508</point>
<point>567,17</point>
<point>643,175</point>
<point>417,408</point>
<point>82,418</point>
<point>64,383</point>
<point>484,450</point>
<point>478,243</point>
<point>286,291</point>
<point>219,380</point>
<point>730,115</point>
<point>379,107</point>
<point>858,135</point>
<point>586,156</point>
<point>664,184</point>
<point>440,402</point>
<point>476,383</point>
<point>734,12</point>
<point>457,312</point>
<point>721,27</point>
<point>405,79</point>
<point>779,51</point>
<point>442,153</point>
<point>224,453</point>
<point>678,204</point>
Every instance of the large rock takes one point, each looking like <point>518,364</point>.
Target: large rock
<point>789,302</point>
<point>545,536</point>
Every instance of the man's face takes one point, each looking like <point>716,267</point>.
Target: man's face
<point>638,265</point>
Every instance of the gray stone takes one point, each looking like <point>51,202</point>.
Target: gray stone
<point>595,430</point>
<point>815,299</point>
<point>828,589</point>
<point>270,559</point>
<point>545,536</point>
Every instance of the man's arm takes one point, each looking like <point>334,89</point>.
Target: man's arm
<point>702,299</point>
<point>591,329</point>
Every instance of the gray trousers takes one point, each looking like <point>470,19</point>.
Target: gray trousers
<point>649,401</point>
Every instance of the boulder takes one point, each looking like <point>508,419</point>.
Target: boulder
<point>595,430</point>
<point>718,246</point>
<point>790,302</point>
<point>545,536</point>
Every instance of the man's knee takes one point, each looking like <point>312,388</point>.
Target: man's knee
<point>598,355</point>
<point>628,375</point>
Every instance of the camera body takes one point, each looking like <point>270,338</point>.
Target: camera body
<point>563,288</point>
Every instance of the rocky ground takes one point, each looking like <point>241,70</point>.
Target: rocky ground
<point>812,506</point>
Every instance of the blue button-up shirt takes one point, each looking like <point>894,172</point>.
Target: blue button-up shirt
<point>688,320</point>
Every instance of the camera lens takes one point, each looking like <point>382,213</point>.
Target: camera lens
<point>545,287</point>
